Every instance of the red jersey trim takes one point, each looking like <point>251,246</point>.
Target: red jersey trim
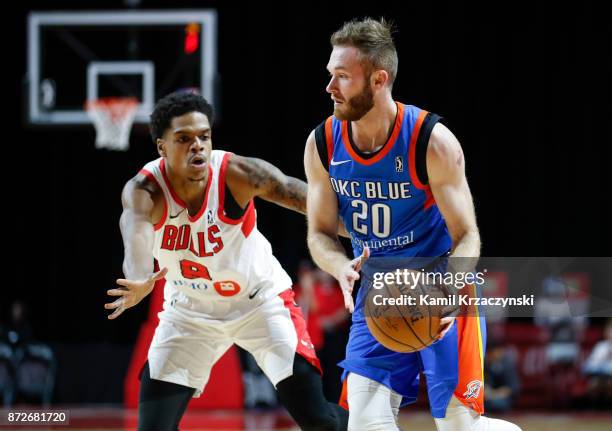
<point>329,140</point>
<point>249,217</point>
<point>343,401</point>
<point>429,198</point>
<point>149,176</point>
<point>412,150</point>
<point>304,346</point>
<point>399,118</point>
<point>178,200</point>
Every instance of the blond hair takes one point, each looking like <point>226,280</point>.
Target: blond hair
<point>374,41</point>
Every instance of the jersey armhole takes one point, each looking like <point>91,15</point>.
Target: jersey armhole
<point>232,209</point>
<point>421,146</point>
<point>321,145</point>
<point>324,141</point>
<point>247,212</point>
<point>151,178</point>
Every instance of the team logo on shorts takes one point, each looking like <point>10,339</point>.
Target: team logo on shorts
<point>307,344</point>
<point>473,389</point>
<point>399,164</point>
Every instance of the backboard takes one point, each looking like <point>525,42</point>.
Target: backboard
<point>75,57</point>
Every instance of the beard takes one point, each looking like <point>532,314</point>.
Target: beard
<point>357,106</point>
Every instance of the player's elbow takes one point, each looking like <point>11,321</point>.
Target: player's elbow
<point>315,239</point>
<point>124,221</point>
<point>469,235</point>
<point>311,238</point>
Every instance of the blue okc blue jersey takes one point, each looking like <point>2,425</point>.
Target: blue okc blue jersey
<point>381,200</point>
<point>385,206</point>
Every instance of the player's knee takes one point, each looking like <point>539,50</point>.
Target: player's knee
<point>361,420</point>
<point>501,425</point>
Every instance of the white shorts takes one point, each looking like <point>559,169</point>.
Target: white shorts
<point>184,351</point>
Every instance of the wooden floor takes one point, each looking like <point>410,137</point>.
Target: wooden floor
<point>115,419</point>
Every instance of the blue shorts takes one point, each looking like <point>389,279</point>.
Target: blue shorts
<point>451,366</point>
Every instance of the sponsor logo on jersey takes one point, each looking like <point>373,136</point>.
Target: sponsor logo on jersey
<point>189,284</point>
<point>227,288</point>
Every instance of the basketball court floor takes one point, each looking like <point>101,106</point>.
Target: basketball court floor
<point>116,419</point>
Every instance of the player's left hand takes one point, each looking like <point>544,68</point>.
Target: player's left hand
<point>131,292</point>
<point>348,275</point>
<point>446,323</point>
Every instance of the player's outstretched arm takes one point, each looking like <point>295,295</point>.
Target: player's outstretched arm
<point>249,177</point>
<point>323,222</point>
<point>138,237</point>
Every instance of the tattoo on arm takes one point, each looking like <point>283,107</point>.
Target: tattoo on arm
<point>292,193</point>
<point>273,185</point>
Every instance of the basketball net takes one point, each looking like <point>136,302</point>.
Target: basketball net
<point>112,117</point>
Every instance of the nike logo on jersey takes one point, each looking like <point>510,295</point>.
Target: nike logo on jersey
<point>177,214</point>
<point>255,292</point>
<point>341,162</point>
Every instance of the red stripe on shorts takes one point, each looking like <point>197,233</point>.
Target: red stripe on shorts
<point>304,347</point>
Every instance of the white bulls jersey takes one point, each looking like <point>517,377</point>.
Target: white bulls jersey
<point>218,268</point>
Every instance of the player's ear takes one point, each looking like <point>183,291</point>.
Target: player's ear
<point>161,147</point>
<point>380,78</point>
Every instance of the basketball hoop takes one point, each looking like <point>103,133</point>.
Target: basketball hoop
<point>112,117</point>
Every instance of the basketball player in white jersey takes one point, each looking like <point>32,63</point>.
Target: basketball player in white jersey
<point>192,210</point>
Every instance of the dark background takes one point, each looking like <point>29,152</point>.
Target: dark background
<point>522,86</point>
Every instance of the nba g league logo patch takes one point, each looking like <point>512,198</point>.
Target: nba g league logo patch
<point>473,389</point>
<point>399,164</point>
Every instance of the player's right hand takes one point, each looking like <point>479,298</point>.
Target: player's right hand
<point>131,292</point>
<point>347,276</point>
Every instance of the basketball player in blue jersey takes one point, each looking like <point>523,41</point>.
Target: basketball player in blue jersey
<point>396,177</point>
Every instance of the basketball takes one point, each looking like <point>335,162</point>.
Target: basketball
<point>400,326</point>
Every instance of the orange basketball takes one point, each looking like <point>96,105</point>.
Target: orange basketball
<point>403,327</point>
